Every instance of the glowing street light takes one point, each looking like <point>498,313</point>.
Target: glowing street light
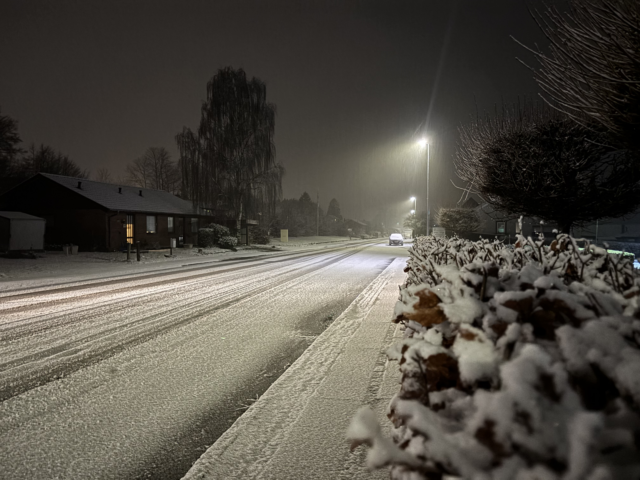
<point>412,212</point>
<point>425,143</point>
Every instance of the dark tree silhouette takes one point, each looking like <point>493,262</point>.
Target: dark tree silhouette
<point>534,161</point>
<point>9,151</point>
<point>458,219</point>
<point>417,222</point>
<point>9,141</point>
<point>231,160</point>
<point>156,170</point>
<point>592,72</point>
<point>103,175</point>
<point>44,159</point>
<point>334,209</point>
<point>17,165</point>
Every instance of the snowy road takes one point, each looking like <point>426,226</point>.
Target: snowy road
<point>134,376</point>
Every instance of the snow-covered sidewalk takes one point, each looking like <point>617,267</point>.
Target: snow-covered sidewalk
<point>297,428</point>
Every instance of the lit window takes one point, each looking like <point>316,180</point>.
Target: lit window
<point>151,224</point>
<point>170,224</point>
<point>194,225</point>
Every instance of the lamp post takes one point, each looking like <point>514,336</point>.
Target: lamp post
<point>425,143</point>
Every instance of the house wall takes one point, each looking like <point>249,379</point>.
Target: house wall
<point>117,232</point>
<point>83,227</point>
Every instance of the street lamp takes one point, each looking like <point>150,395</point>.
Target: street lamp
<point>425,143</point>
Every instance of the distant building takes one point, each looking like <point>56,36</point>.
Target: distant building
<point>104,216</point>
<point>357,228</point>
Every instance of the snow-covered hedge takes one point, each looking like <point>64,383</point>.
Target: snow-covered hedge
<point>228,242</point>
<point>518,363</point>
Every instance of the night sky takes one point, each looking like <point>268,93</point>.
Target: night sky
<point>356,83</point>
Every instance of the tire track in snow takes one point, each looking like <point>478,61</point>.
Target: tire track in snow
<point>166,271</point>
<point>34,369</point>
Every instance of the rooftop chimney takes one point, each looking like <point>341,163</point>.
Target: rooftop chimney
<point>119,189</point>
<point>140,192</point>
<point>80,185</point>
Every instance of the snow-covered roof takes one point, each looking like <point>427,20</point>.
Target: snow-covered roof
<point>125,198</point>
<point>19,216</point>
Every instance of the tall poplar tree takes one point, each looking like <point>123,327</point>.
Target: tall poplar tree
<point>230,162</point>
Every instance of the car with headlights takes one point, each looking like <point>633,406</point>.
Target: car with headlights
<point>396,239</point>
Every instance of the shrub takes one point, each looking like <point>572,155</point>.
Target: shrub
<point>518,363</point>
<point>259,236</point>
<point>228,242</point>
<point>206,238</point>
<point>219,231</point>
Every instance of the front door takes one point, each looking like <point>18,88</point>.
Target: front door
<point>130,229</point>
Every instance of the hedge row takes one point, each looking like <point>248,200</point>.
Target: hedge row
<point>517,363</point>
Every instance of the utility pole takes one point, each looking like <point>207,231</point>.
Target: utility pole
<point>317,213</point>
<point>428,211</point>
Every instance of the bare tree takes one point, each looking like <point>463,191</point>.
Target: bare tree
<point>458,219</point>
<point>46,160</point>
<point>230,162</point>
<point>592,72</point>
<point>534,161</point>
<point>156,170</point>
<point>103,175</point>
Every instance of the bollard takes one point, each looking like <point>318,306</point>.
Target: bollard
<point>128,252</point>
<point>171,249</point>
<point>138,250</point>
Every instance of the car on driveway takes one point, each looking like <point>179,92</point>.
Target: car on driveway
<point>396,239</point>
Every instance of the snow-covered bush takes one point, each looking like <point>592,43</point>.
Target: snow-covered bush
<point>211,235</point>
<point>517,363</point>
<point>228,242</point>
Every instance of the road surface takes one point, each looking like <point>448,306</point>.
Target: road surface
<point>135,376</point>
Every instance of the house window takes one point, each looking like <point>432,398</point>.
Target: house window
<point>194,225</point>
<point>151,224</point>
<point>170,224</point>
<point>501,227</point>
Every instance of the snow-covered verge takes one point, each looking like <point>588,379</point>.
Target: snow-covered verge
<point>517,364</point>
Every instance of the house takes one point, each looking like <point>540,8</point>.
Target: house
<point>105,216</point>
<point>20,231</point>
<point>357,228</point>
<point>505,227</point>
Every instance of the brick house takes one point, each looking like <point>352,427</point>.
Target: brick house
<point>105,216</point>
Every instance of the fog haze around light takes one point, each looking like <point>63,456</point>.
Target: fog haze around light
<point>356,83</point>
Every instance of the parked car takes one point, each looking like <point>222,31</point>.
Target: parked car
<point>396,239</point>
